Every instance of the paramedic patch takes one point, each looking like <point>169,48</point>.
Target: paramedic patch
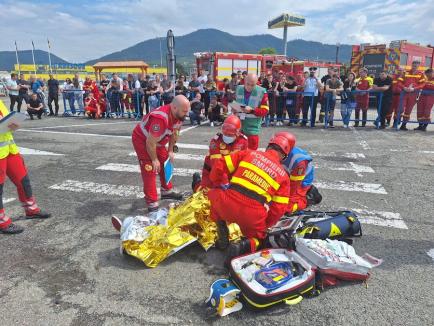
<point>148,167</point>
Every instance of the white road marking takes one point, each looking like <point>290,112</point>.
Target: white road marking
<point>73,133</point>
<point>99,188</point>
<point>84,125</point>
<point>192,127</point>
<point>8,200</point>
<point>337,185</point>
<point>181,156</point>
<point>356,168</point>
<point>117,167</point>
<point>388,219</point>
<point>365,145</point>
<point>431,253</point>
<point>333,154</point>
<point>30,151</point>
<point>373,188</point>
<point>410,151</point>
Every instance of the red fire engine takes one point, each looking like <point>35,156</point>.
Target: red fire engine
<point>221,65</point>
<point>399,54</point>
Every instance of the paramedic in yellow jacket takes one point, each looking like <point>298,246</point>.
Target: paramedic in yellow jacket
<point>12,165</point>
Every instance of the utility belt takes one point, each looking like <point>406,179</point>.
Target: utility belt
<point>249,193</point>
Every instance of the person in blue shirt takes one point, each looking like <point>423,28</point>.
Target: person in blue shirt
<point>301,173</point>
<point>310,97</point>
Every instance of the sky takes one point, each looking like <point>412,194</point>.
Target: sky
<point>83,30</point>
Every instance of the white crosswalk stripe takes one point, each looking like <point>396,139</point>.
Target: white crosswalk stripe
<point>336,185</point>
<point>135,168</point>
<point>196,157</point>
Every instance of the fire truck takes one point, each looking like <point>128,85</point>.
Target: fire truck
<point>399,54</point>
<point>295,67</point>
<point>221,65</point>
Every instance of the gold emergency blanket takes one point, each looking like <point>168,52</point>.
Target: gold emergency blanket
<point>186,223</point>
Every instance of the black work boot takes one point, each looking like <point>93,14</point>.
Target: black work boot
<point>41,214</point>
<point>364,118</point>
<point>419,127</point>
<point>12,229</point>
<point>223,235</point>
<point>196,181</point>
<point>171,194</point>
<point>403,126</point>
<point>245,246</point>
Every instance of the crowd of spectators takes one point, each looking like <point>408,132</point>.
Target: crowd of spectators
<point>293,98</point>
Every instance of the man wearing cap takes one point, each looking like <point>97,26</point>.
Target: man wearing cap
<point>253,100</point>
<point>364,83</point>
<point>414,81</point>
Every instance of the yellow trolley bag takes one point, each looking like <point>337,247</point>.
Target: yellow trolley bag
<point>272,276</point>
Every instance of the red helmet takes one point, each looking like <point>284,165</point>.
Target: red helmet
<point>231,126</point>
<point>285,140</point>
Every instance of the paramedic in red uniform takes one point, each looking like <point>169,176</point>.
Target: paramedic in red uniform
<point>364,83</point>
<point>229,141</point>
<point>397,85</point>
<point>159,129</point>
<point>12,166</point>
<point>426,102</point>
<point>414,81</point>
<point>256,196</point>
<point>254,100</point>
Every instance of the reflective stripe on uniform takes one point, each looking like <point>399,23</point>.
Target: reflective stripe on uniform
<point>261,173</point>
<point>280,199</point>
<point>264,107</point>
<point>295,207</point>
<point>6,143</point>
<point>229,163</point>
<point>293,159</point>
<point>214,156</point>
<point>251,186</point>
<point>296,177</point>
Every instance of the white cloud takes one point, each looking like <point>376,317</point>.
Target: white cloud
<point>93,29</point>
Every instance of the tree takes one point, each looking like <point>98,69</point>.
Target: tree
<point>180,70</point>
<point>267,51</point>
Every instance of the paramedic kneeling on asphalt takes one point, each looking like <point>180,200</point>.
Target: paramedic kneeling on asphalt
<point>256,196</point>
<point>150,137</point>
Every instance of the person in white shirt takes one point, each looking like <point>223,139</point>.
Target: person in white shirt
<point>202,79</point>
<point>13,89</point>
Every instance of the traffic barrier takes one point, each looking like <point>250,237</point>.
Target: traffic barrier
<point>299,106</point>
<point>423,100</point>
<point>330,107</point>
<point>72,96</point>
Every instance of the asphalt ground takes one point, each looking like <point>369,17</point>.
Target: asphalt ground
<point>68,270</point>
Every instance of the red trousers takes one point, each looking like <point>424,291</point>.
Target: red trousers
<point>232,207</point>
<point>299,199</point>
<point>424,108</point>
<point>393,108</point>
<point>13,167</point>
<point>362,102</point>
<point>149,177</point>
<point>408,105</point>
<point>253,142</point>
